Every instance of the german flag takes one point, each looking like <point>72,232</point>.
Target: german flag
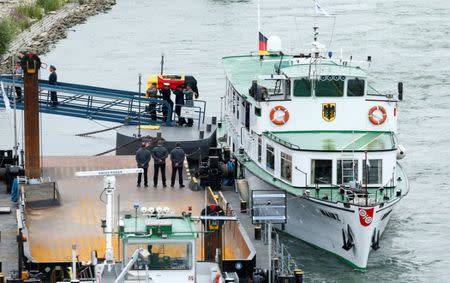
<point>262,44</point>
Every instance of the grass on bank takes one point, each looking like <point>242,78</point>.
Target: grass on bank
<point>22,16</point>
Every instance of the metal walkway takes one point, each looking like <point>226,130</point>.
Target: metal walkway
<point>91,102</point>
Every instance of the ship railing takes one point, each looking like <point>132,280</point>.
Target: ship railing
<point>247,141</point>
<point>281,141</point>
<point>194,112</point>
<point>342,193</point>
<point>271,96</point>
<point>284,263</point>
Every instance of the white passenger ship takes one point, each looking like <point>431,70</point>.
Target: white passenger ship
<point>322,134</point>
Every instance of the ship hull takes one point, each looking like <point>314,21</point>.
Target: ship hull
<point>327,225</point>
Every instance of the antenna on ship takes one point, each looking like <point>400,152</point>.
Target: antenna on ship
<point>162,63</point>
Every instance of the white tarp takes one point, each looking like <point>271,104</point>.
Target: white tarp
<point>5,98</point>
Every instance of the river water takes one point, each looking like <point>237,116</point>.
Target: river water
<point>408,41</point>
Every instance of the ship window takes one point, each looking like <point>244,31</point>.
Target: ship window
<point>270,158</point>
<point>286,167</point>
<point>355,87</point>
<point>167,256</point>
<point>302,87</point>
<point>347,170</point>
<point>321,171</point>
<point>258,111</point>
<point>259,149</point>
<point>375,170</point>
<point>237,107</point>
<point>330,86</point>
<point>233,102</point>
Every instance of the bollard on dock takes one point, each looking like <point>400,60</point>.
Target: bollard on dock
<point>298,273</point>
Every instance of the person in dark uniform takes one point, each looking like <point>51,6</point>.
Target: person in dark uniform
<point>177,156</point>
<point>143,156</point>
<point>189,101</point>
<point>165,92</point>
<point>52,80</point>
<point>159,154</point>
<point>152,93</point>
<point>179,101</point>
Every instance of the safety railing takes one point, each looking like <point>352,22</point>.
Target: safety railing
<point>359,196</point>
<point>105,104</point>
<point>281,141</point>
<point>286,265</point>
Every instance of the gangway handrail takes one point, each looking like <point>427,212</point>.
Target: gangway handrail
<point>107,104</point>
<point>204,107</point>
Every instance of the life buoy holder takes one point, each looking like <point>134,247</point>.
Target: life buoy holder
<point>374,120</point>
<point>285,117</point>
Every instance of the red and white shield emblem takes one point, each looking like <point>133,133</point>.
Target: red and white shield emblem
<point>365,216</point>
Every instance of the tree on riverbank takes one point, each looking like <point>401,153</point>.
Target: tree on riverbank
<point>22,16</point>
<point>6,34</point>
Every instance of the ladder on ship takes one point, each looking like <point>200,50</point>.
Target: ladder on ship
<point>97,103</point>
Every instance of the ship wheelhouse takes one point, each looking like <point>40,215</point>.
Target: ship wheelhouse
<point>302,125</point>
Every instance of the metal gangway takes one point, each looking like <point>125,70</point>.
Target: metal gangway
<point>97,103</point>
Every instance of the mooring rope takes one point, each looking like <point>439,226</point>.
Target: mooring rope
<point>98,131</point>
<point>119,147</point>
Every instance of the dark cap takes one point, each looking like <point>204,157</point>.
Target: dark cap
<point>52,67</point>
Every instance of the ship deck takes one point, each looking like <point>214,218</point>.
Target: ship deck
<point>52,231</point>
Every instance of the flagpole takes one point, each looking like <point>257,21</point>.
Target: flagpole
<point>259,16</point>
<point>259,27</point>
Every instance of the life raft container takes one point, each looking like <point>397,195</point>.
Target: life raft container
<point>376,120</point>
<point>285,116</point>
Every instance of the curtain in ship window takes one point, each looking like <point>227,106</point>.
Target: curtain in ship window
<point>375,171</point>
<point>321,172</point>
<point>259,149</point>
<point>286,167</point>
<point>302,87</point>
<point>355,87</point>
<point>270,158</point>
<point>237,107</point>
<point>330,86</point>
<point>233,102</point>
